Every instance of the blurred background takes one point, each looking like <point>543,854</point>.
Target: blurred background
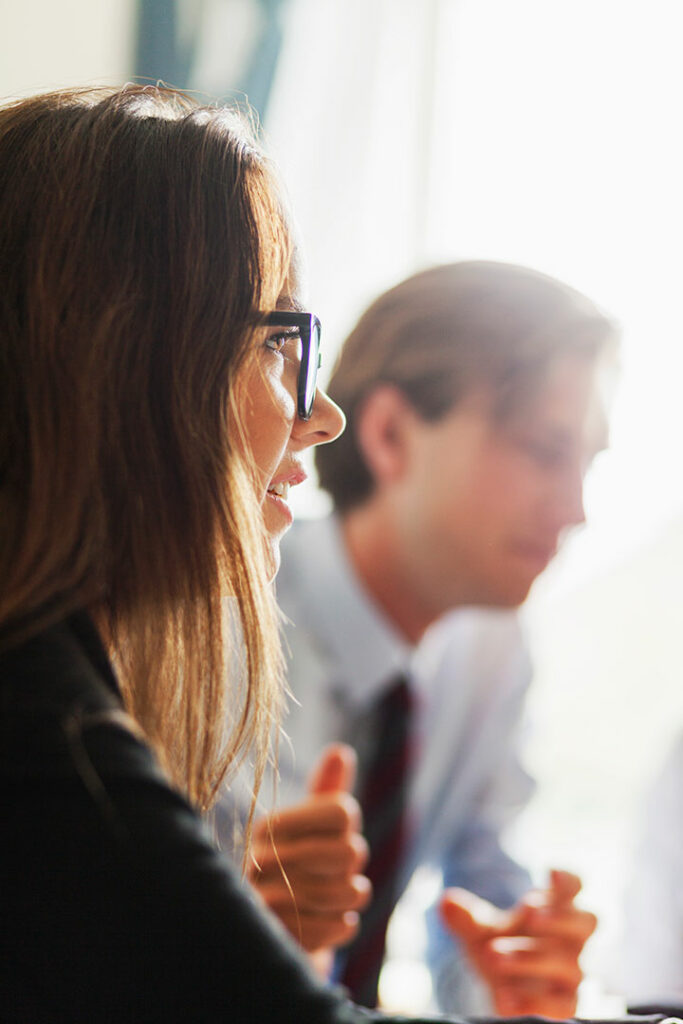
<point>544,132</point>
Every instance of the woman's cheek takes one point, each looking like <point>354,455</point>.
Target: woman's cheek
<point>284,399</point>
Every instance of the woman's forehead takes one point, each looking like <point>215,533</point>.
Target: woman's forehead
<point>293,294</point>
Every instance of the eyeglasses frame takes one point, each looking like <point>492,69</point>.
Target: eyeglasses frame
<point>306,322</point>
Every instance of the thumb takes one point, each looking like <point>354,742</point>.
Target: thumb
<point>563,887</point>
<point>335,771</point>
<point>470,917</point>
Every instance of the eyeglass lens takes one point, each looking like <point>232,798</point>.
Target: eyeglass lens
<point>311,368</point>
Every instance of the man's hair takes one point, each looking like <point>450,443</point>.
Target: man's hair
<point>445,332</point>
<point>139,236</point>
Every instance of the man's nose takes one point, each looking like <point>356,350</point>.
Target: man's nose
<point>569,508</point>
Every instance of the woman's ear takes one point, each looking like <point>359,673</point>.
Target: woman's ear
<point>383,429</point>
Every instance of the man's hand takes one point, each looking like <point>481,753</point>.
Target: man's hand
<point>528,955</point>
<point>307,859</point>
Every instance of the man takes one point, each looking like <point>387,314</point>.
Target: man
<point>473,405</point>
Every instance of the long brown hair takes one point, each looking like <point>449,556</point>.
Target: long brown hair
<point>139,234</point>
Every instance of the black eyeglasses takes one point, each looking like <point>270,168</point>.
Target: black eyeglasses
<point>308,327</point>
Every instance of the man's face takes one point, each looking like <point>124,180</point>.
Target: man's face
<point>483,504</point>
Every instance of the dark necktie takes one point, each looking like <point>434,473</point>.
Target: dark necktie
<point>383,799</point>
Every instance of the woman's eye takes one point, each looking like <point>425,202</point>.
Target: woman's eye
<point>286,343</point>
<point>276,342</point>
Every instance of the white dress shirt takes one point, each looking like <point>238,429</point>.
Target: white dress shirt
<point>652,963</point>
<point>470,675</point>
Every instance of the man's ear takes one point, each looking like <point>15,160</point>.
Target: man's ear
<point>383,429</point>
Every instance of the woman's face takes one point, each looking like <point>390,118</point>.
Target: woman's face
<point>275,434</point>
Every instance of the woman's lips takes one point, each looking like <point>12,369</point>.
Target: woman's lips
<point>278,490</point>
<point>277,501</point>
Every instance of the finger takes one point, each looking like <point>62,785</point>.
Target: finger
<point>471,918</point>
<point>314,897</point>
<point>316,931</point>
<point>572,925</point>
<point>312,856</point>
<point>561,890</point>
<point>525,958</point>
<point>335,770</point>
<point>333,813</point>
<point>564,886</point>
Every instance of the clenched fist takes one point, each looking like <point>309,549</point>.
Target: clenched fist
<point>307,860</point>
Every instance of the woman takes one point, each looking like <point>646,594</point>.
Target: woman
<point>153,409</point>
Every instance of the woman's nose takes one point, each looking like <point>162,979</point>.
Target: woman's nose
<point>326,422</point>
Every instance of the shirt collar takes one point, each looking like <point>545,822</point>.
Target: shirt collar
<point>363,647</point>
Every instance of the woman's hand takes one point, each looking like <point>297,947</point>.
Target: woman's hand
<point>528,955</point>
<point>307,859</point>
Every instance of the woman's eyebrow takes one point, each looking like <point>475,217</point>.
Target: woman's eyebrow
<point>287,331</point>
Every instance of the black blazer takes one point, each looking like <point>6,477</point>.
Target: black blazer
<point>115,906</point>
<point>114,903</point>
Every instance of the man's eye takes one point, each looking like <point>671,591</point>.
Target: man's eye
<point>544,454</point>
